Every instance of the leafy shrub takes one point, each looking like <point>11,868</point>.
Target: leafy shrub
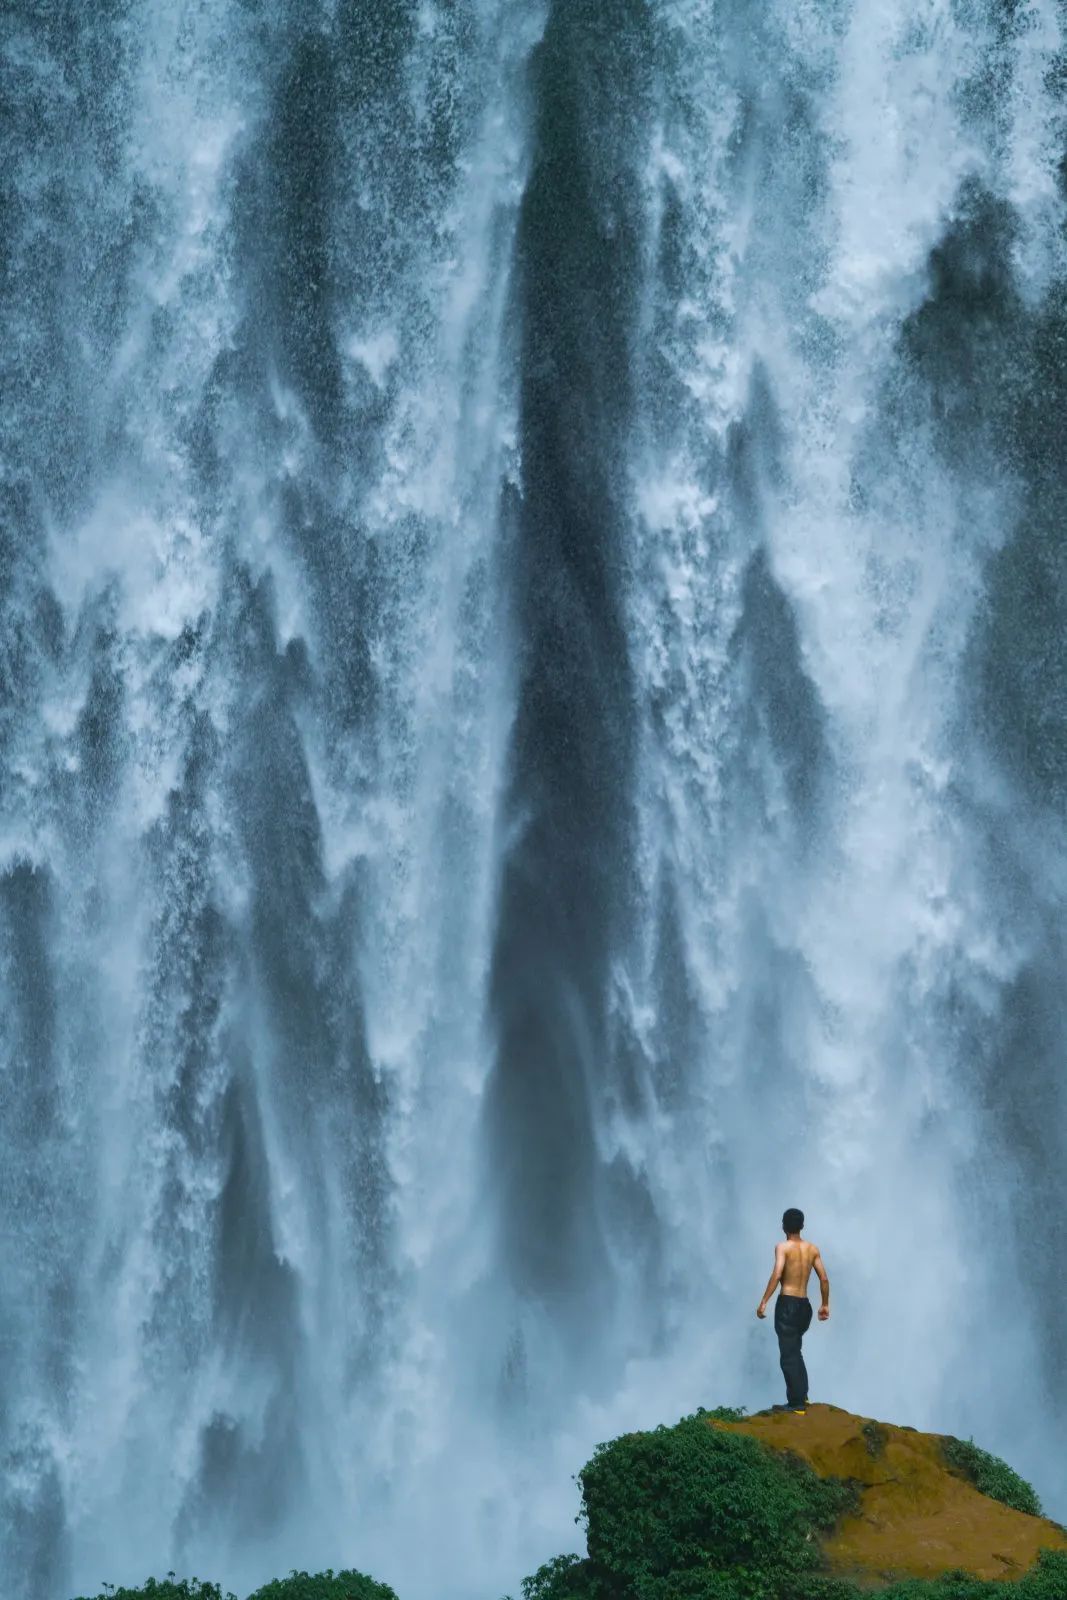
<point>679,1510</point>
<point>328,1585</point>
<point>168,1588</point>
<point>990,1475</point>
<point>568,1578</point>
<point>562,1578</point>
<point>1045,1581</point>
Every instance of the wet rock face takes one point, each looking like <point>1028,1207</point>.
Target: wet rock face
<point>918,1517</point>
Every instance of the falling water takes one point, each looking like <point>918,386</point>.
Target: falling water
<point>533,734</point>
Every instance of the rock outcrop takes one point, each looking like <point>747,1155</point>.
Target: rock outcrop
<point>819,1506</point>
<point>918,1517</point>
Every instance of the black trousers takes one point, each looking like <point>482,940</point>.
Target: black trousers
<point>792,1319</point>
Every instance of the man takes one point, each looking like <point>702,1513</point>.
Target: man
<point>793,1262</point>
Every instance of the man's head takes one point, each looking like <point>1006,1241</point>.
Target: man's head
<point>793,1220</point>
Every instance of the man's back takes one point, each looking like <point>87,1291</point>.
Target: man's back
<point>798,1258</point>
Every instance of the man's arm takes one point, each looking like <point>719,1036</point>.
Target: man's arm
<point>824,1284</point>
<point>774,1280</point>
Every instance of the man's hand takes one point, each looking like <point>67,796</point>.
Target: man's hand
<point>761,1310</point>
<point>824,1313</point>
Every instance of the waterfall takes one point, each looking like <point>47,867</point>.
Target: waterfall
<point>533,735</point>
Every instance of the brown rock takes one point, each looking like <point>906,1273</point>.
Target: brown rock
<point>917,1518</point>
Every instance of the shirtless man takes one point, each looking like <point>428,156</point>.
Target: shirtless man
<point>793,1262</point>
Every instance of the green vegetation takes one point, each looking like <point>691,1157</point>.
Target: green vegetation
<point>1047,1581</point>
<point>691,1513</point>
<point>567,1578</point>
<point>990,1475</point>
<point>662,1503</point>
<point>168,1588</point>
<point>562,1578</point>
<point>328,1585</point>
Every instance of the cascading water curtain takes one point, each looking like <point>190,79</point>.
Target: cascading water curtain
<point>533,734</point>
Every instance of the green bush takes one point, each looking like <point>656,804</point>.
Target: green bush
<point>990,1475</point>
<point>562,1578</point>
<point>693,1510</point>
<point>689,1513</point>
<point>1046,1581</point>
<point>328,1585</point>
<point>168,1588</point>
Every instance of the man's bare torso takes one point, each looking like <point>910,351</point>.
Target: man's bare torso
<point>794,1261</point>
<point>796,1269</point>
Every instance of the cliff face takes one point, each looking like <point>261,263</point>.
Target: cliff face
<point>918,1517</point>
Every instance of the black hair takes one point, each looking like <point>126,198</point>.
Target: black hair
<point>793,1220</point>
